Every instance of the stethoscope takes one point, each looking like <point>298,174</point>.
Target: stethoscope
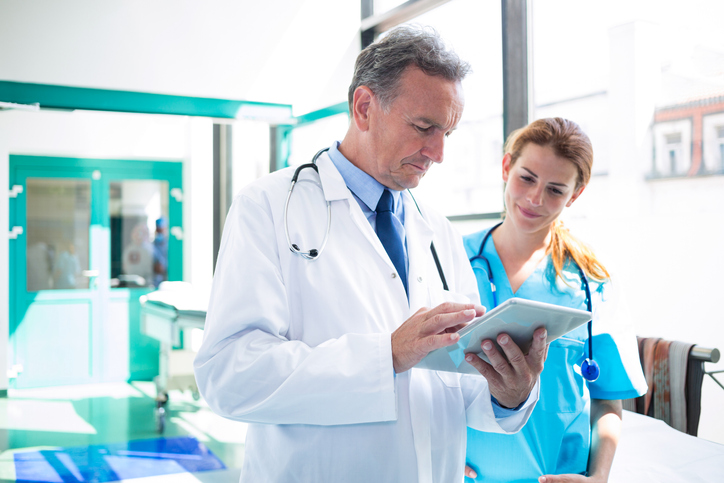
<point>589,367</point>
<point>314,253</point>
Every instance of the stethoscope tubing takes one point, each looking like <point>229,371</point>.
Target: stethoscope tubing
<point>313,253</point>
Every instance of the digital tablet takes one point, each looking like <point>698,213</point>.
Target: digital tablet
<point>518,318</point>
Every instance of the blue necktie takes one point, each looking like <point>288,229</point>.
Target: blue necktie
<point>389,237</point>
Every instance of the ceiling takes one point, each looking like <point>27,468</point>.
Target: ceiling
<point>298,52</point>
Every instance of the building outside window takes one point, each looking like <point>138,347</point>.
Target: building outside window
<point>720,140</point>
<point>672,149</point>
<point>713,140</point>
<point>674,153</point>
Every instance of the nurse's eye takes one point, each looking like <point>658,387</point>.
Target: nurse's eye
<point>527,179</point>
<point>555,191</point>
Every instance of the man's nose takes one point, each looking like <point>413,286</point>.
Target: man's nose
<point>434,148</point>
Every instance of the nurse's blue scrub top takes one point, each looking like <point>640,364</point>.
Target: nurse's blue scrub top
<point>556,439</point>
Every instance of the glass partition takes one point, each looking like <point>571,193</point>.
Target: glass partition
<point>139,233</point>
<point>58,226</point>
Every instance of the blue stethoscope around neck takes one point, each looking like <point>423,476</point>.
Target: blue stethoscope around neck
<point>589,367</point>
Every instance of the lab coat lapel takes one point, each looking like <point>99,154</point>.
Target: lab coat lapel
<point>336,189</point>
<point>419,236</point>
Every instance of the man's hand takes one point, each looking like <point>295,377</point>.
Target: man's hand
<point>430,329</point>
<point>510,381</point>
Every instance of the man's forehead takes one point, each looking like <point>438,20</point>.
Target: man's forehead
<point>442,115</point>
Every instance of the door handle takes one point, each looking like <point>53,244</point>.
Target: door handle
<point>15,232</point>
<point>90,273</point>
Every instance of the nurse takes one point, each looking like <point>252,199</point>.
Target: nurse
<point>573,432</point>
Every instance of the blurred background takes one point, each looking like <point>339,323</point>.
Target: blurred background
<point>127,126</point>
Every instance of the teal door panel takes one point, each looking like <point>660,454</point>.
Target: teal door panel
<point>45,360</point>
<point>75,279</point>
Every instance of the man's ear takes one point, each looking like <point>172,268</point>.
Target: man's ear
<point>506,166</point>
<point>361,103</point>
<point>575,195</point>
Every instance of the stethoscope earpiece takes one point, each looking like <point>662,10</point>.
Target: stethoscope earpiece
<point>590,370</point>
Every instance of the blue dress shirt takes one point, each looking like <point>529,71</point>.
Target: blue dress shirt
<point>368,191</point>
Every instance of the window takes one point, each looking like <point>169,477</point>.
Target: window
<point>720,140</point>
<point>469,180</point>
<point>309,138</point>
<point>713,141</point>
<point>674,152</point>
<point>382,6</point>
<point>672,148</point>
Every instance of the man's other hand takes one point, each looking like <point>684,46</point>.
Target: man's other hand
<point>511,380</point>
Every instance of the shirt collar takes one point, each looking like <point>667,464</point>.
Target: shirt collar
<point>365,187</point>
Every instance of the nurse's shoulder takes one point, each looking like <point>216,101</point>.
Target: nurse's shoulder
<point>472,242</point>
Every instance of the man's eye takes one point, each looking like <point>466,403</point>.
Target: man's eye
<point>421,129</point>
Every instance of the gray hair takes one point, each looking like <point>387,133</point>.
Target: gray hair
<point>381,65</point>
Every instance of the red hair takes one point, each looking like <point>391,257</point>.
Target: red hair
<point>568,141</point>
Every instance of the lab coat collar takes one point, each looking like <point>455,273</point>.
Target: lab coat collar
<point>335,189</point>
<point>333,184</point>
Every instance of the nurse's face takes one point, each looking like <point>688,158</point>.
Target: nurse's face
<point>539,185</point>
<point>407,139</point>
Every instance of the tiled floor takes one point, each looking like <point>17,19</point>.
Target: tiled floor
<point>45,420</point>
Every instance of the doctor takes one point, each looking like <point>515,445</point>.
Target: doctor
<point>573,432</point>
<point>317,354</point>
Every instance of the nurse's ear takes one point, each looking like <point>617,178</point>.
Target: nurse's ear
<point>361,103</point>
<point>507,160</point>
<point>575,196</point>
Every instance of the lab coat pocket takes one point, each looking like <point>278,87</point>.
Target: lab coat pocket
<point>437,297</point>
<point>562,388</point>
<point>450,379</point>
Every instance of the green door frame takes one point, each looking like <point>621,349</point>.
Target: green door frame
<point>143,358</point>
<point>66,97</point>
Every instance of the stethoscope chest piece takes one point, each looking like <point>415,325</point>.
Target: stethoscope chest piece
<point>590,370</point>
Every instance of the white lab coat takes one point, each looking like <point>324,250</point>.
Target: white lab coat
<point>301,349</point>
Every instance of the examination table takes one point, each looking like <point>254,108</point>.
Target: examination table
<point>168,315</point>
